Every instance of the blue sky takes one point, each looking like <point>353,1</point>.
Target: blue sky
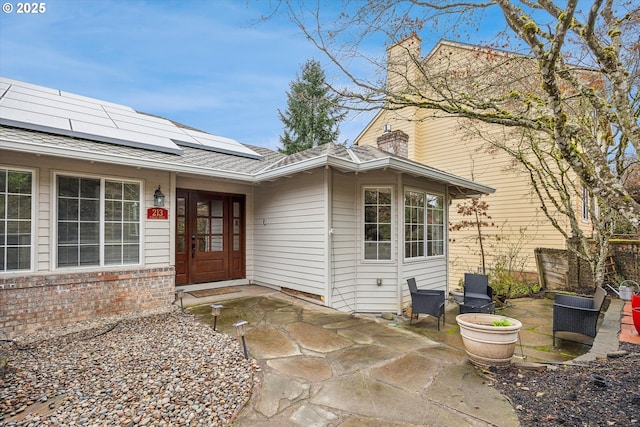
<point>207,64</point>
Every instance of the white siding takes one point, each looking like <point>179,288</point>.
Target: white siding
<point>372,297</point>
<point>290,233</point>
<point>343,242</point>
<point>429,272</point>
<point>155,233</point>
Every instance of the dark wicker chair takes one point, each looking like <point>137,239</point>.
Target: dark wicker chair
<point>478,295</point>
<point>426,301</point>
<point>576,314</point>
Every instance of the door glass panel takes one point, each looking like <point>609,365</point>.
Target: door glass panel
<point>203,208</point>
<point>181,208</point>
<point>203,244</point>
<point>216,207</point>
<point>216,244</point>
<point>216,225</point>
<point>203,225</point>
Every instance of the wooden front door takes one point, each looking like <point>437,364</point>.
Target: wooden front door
<point>209,237</point>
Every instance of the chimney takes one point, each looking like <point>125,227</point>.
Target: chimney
<point>394,142</point>
<point>402,63</point>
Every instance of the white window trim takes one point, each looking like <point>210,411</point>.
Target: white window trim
<point>584,205</point>
<point>445,215</point>
<point>54,222</point>
<point>391,260</point>
<point>34,218</point>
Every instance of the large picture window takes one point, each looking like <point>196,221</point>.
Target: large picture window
<point>16,216</point>
<point>377,223</point>
<point>423,224</point>
<point>89,235</point>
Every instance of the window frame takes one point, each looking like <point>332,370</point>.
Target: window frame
<point>102,240</point>
<point>584,205</point>
<point>363,235</point>
<point>425,241</point>
<point>34,219</point>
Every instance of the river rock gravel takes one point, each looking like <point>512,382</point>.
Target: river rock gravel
<point>161,369</point>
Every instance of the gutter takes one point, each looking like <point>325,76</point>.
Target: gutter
<point>40,149</point>
<point>323,160</point>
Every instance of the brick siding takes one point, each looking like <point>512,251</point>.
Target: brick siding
<point>35,302</point>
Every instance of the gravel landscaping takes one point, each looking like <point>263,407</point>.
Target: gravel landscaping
<point>158,370</point>
<point>166,368</point>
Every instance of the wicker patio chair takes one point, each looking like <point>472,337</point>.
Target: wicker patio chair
<point>577,314</point>
<point>426,301</point>
<point>478,295</point>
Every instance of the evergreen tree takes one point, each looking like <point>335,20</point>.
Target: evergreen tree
<point>313,114</point>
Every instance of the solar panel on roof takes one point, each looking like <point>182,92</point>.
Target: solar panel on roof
<point>29,106</point>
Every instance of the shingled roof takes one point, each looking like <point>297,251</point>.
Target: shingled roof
<point>271,166</point>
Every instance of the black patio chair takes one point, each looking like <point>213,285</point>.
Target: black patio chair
<point>478,295</point>
<point>572,313</point>
<point>426,301</point>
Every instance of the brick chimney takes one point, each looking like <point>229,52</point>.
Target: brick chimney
<point>394,142</point>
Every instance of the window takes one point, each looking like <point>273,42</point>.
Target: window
<point>423,224</point>
<point>585,204</point>
<point>16,201</point>
<point>377,223</point>
<point>91,236</point>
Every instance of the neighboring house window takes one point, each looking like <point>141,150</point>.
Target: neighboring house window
<point>585,204</point>
<point>91,236</point>
<point>16,201</point>
<point>377,223</point>
<point>423,224</point>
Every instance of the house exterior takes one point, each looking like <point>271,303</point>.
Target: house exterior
<point>517,225</point>
<point>83,233</point>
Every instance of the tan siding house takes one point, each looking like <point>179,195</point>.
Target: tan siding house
<point>442,141</point>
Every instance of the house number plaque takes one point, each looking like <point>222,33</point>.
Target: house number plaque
<point>157,213</point>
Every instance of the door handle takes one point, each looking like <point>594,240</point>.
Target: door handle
<point>193,250</point>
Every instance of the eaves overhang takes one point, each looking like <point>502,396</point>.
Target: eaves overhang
<point>458,187</point>
<point>110,158</point>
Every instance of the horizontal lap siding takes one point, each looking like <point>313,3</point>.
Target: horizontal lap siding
<point>519,224</point>
<point>429,274</point>
<point>343,242</point>
<point>155,234</point>
<point>289,226</point>
<point>371,297</point>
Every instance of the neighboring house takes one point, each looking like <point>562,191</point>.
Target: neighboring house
<point>518,225</point>
<point>83,234</point>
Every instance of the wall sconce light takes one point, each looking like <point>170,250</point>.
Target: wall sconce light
<point>179,293</point>
<point>387,128</point>
<point>158,198</point>
<point>241,329</point>
<point>215,312</point>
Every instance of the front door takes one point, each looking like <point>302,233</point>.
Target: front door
<point>209,237</point>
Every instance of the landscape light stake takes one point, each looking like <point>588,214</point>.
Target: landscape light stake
<point>179,293</point>
<point>215,312</point>
<point>241,329</point>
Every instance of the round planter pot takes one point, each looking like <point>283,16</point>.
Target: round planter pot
<point>485,344</point>
<point>635,313</point>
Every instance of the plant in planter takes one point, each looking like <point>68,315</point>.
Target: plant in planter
<point>489,339</point>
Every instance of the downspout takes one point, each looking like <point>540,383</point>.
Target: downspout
<point>400,247</point>
<point>329,236</point>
